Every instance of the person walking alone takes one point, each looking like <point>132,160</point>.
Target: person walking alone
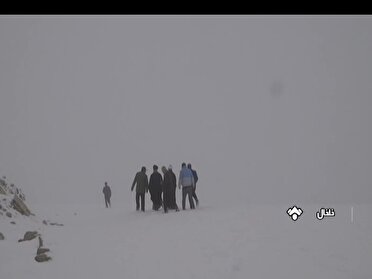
<point>107,193</point>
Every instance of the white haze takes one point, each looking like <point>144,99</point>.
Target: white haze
<point>268,109</point>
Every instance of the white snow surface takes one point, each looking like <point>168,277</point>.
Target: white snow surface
<point>272,112</point>
<point>213,241</point>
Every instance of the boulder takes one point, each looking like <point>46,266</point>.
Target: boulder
<point>42,258</point>
<point>40,242</point>
<point>42,250</point>
<point>9,214</point>
<point>20,206</point>
<point>2,190</point>
<point>56,224</point>
<point>1,236</point>
<point>29,236</point>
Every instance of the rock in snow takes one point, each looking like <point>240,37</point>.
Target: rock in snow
<point>42,258</point>
<point>29,236</point>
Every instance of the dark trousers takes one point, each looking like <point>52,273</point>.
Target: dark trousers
<point>107,202</point>
<point>165,200</point>
<point>195,196</point>
<point>188,190</point>
<point>142,196</point>
<point>157,201</point>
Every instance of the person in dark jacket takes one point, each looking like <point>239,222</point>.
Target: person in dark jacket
<point>195,174</point>
<point>152,194</point>
<point>165,189</point>
<point>155,188</point>
<point>169,189</point>
<point>142,187</point>
<point>107,193</point>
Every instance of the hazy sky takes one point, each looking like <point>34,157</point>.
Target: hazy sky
<point>266,108</point>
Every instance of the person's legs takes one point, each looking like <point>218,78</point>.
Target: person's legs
<point>156,200</point>
<point>143,202</point>
<point>160,197</point>
<point>170,197</point>
<point>174,203</point>
<point>106,202</point>
<point>160,202</point>
<point>165,201</point>
<point>191,201</point>
<point>137,201</point>
<point>176,206</point>
<point>195,196</point>
<point>174,200</point>
<point>183,198</point>
<point>152,198</point>
<point>109,202</point>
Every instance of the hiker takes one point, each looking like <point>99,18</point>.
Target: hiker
<point>107,193</point>
<point>155,188</point>
<point>186,180</point>
<point>142,187</point>
<point>169,189</point>
<point>165,188</point>
<point>195,174</point>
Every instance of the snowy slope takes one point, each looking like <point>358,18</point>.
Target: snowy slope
<point>240,241</point>
<point>271,112</point>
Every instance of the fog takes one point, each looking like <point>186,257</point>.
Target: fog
<point>266,108</point>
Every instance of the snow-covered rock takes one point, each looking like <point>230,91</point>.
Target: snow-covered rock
<point>42,258</point>
<point>29,236</point>
<point>12,199</point>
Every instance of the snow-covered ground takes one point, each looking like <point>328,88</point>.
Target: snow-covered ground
<point>272,111</point>
<point>214,241</point>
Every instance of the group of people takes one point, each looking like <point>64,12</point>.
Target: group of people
<point>163,188</point>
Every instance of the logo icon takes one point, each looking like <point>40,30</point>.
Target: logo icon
<point>325,212</point>
<point>294,212</point>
